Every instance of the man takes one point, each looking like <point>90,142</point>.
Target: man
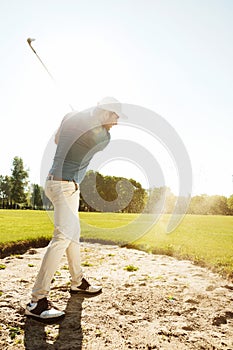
<point>79,138</point>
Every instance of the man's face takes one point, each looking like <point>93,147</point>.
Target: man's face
<point>112,120</point>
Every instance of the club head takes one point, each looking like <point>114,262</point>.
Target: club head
<point>29,40</point>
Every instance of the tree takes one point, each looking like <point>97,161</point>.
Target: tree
<point>209,205</point>
<point>5,191</point>
<point>19,181</point>
<point>199,205</point>
<point>138,201</point>
<point>154,196</point>
<point>218,205</point>
<point>170,201</point>
<point>87,203</point>
<point>111,194</point>
<point>160,199</point>
<point>36,197</point>
<point>230,204</point>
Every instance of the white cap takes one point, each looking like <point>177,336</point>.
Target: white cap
<point>111,104</point>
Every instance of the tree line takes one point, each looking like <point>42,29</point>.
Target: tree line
<point>128,196</point>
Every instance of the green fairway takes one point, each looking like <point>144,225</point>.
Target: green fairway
<point>207,240</point>
<point>20,225</point>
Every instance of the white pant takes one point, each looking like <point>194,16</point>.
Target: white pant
<point>65,199</point>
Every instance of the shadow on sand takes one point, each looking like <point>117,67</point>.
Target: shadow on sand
<point>70,336</point>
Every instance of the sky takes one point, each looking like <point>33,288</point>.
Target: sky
<point>173,57</point>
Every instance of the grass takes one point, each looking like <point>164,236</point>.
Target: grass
<point>22,229</point>
<point>14,331</point>
<point>206,240</point>
<point>131,268</point>
<point>20,225</point>
<point>87,264</point>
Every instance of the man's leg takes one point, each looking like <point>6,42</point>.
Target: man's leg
<point>49,265</point>
<point>64,197</point>
<point>65,200</point>
<point>74,261</point>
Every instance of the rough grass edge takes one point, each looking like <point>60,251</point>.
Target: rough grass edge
<point>20,247</point>
<point>223,271</point>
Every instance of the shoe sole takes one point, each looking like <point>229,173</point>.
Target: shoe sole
<point>47,320</point>
<point>85,293</point>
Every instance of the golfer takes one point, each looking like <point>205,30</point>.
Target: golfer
<point>79,138</point>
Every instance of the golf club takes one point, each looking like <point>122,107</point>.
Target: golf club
<point>29,40</point>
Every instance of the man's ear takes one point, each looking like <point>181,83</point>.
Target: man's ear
<point>107,115</point>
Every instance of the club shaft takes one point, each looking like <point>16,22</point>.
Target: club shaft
<point>45,68</point>
<point>51,76</point>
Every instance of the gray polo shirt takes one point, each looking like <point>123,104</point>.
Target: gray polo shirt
<point>81,136</point>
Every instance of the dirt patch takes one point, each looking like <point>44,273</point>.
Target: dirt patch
<point>148,302</point>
